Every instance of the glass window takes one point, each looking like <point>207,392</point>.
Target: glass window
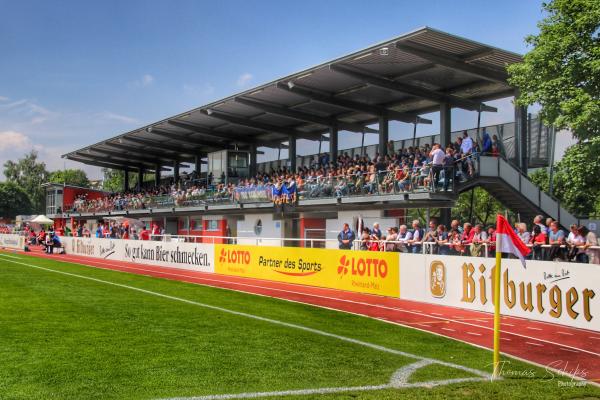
<point>184,223</point>
<point>212,225</point>
<point>196,224</point>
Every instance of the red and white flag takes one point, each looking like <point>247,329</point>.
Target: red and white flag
<point>507,240</point>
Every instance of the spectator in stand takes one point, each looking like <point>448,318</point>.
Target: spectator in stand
<point>144,234</point>
<point>392,236</point>
<point>376,231</point>
<point>404,237</point>
<point>478,239</point>
<point>498,147</point>
<point>538,221</point>
<point>455,226</point>
<point>365,239</point>
<point>441,240</point>
<point>522,233</point>
<point>556,238</point>
<point>491,241</point>
<point>466,237</point>
<point>346,238</point>
<point>593,255</point>
<point>486,145</point>
<point>575,245</point>
<point>538,239</point>
<point>417,237</point>
<point>437,156</point>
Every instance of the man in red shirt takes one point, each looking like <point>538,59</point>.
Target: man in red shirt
<point>144,234</point>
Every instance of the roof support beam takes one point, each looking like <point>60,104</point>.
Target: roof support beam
<point>271,108</point>
<point>188,150</point>
<point>417,91</point>
<point>326,98</point>
<point>188,139</point>
<point>193,128</point>
<point>441,57</point>
<point>142,152</point>
<point>141,160</point>
<point>108,163</point>
<point>260,126</point>
<point>229,136</point>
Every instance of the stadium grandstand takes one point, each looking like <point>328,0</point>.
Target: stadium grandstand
<point>331,229</point>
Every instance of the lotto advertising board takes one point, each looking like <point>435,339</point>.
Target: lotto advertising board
<point>555,292</point>
<point>356,271</point>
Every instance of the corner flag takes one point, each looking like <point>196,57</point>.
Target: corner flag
<point>507,241</point>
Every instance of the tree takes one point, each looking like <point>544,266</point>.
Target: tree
<point>75,177</point>
<point>113,180</point>
<point>562,71</point>
<point>477,206</point>
<point>541,179</point>
<point>29,175</point>
<point>13,200</point>
<point>576,178</point>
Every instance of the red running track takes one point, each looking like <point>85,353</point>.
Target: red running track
<point>571,350</point>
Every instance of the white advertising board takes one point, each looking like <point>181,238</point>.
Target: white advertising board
<point>191,256</point>
<point>12,241</point>
<point>555,292</point>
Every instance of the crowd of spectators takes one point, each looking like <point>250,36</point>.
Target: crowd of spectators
<point>546,240</point>
<point>428,167</point>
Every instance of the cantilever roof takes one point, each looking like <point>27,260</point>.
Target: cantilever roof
<point>400,78</point>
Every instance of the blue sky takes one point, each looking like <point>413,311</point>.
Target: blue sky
<point>76,72</point>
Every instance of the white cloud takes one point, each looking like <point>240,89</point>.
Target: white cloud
<point>244,79</point>
<point>11,140</point>
<point>4,98</point>
<point>118,117</point>
<point>144,81</point>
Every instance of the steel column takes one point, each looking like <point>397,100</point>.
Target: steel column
<point>445,124</point>
<point>333,143</point>
<point>126,180</point>
<point>384,125</point>
<point>292,153</point>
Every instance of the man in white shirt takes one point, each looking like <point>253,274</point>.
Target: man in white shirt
<point>404,235</point>
<point>466,146</point>
<point>437,160</point>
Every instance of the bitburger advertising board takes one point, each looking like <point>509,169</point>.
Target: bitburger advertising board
<point>555,292</point>
<point>192,256</point>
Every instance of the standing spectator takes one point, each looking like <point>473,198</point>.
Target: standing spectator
<point>538,221</point>
<point>376,231</point>
<point>404,236</point>
<point>491,241</point>
<point>590,240</point>
<point>392,236</point>
<point>556,238</point>
<point>522,233</point>
<point>538,239</point>
<point>478,239</point>
<point>346,238</point>
<point>437,164</point>
<point>442,240</point>
<point>365,238</point>
<point>455,226</point>
<point>486,145</point>
<point>417,237</point>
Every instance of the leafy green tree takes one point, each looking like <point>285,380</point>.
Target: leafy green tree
<point>541,179</point>
<point>577,178</point>
<point>13,200</point>
<point>29,174</point>
<point>562,71</point>
<point>113,180</point>
<point>477,206</point>
<point>75,177</point>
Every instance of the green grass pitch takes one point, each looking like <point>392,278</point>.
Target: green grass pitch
<point>67,337</point>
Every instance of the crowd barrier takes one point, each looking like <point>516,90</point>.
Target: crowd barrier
<point>555,292</point>
<point>12,241</point>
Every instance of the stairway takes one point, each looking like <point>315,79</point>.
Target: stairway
<point>516,192</point>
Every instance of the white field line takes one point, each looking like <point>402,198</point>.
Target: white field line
<point>479,373</point>
<point>458,321</point>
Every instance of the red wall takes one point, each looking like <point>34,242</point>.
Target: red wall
<point>70,193</point>
<point>222,230</point>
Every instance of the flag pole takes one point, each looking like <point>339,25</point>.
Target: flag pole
<point>496,364</point>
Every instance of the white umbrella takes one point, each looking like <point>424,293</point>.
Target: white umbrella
<point>42,220</point>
